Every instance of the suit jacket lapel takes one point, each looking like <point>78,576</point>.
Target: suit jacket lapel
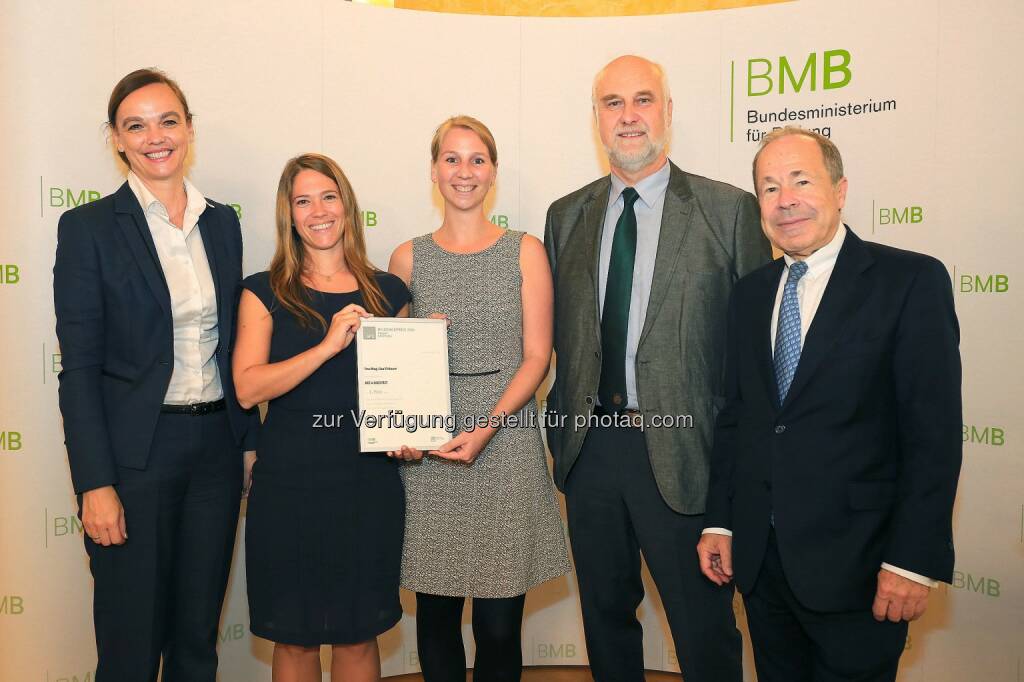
<point>675,223</point>
<point>592,225</point>
<point>209,230</point>
<point>135,229</point>
<point>761,332</point>
<point>842,298</point>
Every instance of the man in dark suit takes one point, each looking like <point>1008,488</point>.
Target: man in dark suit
<point>837,454</point>
<point>643,263</point>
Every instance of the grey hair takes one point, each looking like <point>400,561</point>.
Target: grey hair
<point>829,151</point>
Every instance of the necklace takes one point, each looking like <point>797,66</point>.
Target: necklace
<point>326,276</point>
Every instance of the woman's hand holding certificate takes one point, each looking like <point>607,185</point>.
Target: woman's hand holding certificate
<point>404,395</point>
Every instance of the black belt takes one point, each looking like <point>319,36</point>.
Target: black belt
<point>628,418</point>
<point>194,409</point>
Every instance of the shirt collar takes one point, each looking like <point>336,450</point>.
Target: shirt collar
<point>824,258</point>
<point>195,202</point>
<point>650,188</point>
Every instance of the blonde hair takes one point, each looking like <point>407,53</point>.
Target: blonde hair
<point>467,123</point>
<point>289,261</point>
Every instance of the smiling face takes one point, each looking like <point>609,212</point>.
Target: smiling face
<point>317,210</point>
<point>634,114</point>
<point>464,171</point>
<point>800,205</point>
<point>153,132</point>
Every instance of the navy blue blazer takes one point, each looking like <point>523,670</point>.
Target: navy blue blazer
<point>115,332</point>
<point>860,464</point>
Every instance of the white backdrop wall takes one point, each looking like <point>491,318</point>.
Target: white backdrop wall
<point>937,171</point>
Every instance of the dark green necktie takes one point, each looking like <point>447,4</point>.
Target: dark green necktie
<point>615,314</point>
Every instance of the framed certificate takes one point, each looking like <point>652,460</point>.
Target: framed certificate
<point>404,394</point>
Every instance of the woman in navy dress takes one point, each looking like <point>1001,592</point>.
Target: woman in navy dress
<point>324,525</point>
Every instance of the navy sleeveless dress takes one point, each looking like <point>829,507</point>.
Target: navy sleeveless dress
<point>323,534</point>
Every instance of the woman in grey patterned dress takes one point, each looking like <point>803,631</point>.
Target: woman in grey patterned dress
<point>481,516</point>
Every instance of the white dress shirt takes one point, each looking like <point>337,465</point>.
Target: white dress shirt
<point>809,291</point>
<point>195,377</point>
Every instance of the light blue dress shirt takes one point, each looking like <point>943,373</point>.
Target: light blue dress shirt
<point>648,209</point>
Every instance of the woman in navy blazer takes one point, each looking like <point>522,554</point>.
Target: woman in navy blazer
<point>145,286</point>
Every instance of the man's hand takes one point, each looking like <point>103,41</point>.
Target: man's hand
<point>899,598</point>
<point>103,516</point>
<point>715,552</point>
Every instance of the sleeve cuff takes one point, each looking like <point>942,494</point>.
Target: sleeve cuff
<point>909,575</point>
<point>717,531</point>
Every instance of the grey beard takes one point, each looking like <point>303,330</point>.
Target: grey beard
<point>631,162</point>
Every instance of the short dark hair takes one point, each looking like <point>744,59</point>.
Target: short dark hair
<point>140,78</point>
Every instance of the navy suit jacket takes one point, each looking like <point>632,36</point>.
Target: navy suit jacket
<point>115,332</point>
<point>859,465</point>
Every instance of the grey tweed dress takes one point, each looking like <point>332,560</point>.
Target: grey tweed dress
<point>491,529</point>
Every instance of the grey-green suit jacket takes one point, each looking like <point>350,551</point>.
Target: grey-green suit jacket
<point>710,237</point>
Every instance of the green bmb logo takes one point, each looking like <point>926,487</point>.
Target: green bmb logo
<point>904,215</point>
<point>499,220</point>
<point>412,659</point>
<point>237,208</point>
<point>64,526</point>
<point>547,650</point>
<point>984,284</point>
<point>231,633</point>
<point>763,76</point>
<point>10,441</point>
<point>87,676</point>
<point>11,605</point>
<point>985,435</point>
<point>988,587</point>
<point>9,273</point>
<point>65,197</point>
<point>369,218</point>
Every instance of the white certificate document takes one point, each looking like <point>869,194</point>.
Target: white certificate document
<point>404,395</point>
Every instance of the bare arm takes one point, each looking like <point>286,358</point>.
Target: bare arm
<point>256,378</point>
<point>401,263</point>
<point>538,305</point>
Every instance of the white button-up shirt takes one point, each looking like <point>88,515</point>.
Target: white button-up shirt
<point>182,255</point>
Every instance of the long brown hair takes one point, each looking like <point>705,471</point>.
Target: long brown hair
<point>289,259</point>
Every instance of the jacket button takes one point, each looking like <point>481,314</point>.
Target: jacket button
<point>590,400</point>
<point>780,429</point>
<point>597,353</point>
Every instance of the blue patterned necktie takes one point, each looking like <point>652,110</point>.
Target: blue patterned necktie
<point>787,338</point>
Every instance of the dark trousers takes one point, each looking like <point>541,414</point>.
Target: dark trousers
<point>497,629</point>
<point>160,593</point>
<point>615,512</point>
<point>794,644</point>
